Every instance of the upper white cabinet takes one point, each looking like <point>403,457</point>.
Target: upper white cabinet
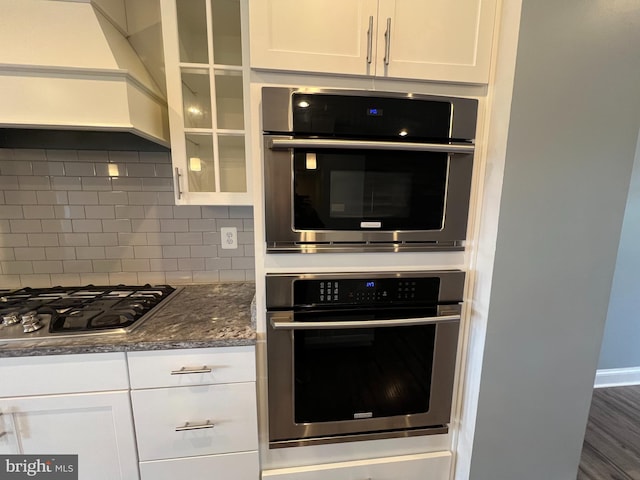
<point>439,40</point>
<point>207,81</point>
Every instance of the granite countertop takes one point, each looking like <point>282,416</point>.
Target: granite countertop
<point>212,315</point>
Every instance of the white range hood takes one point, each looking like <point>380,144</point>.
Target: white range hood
<point>65,67</point>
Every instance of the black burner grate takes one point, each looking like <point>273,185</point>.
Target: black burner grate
<point>86,308</point>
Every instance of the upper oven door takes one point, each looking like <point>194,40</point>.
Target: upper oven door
<point>322,192</point>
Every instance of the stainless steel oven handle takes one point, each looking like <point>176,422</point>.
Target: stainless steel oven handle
<point>285,323</point>
<point>284,143</point>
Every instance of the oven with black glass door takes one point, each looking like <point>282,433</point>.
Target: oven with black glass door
<point>360,356</point>
<point>366,171</point>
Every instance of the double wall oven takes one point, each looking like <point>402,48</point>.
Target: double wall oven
<point>362,171</point>
<point>355,356</point>
<point>360,356</point>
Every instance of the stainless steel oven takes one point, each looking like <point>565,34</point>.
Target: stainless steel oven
<point>366,171</point>
<point>360,356</point>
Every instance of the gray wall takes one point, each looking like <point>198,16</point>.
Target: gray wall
<point>620,346</point>
<point>73,217</point>
<point>572,137</point>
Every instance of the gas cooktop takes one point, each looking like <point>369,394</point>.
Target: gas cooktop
<point>39,313</point>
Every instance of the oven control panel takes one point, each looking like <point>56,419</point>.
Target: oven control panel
<point>366,291</point>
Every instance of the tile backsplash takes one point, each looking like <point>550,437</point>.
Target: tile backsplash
<point>74,217</point>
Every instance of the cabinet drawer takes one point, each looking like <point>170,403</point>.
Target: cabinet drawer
<point>231,408</point>
<point>432,466</point>
<point>22,376</point>
<point>236,466</point>
<point>201,366</point>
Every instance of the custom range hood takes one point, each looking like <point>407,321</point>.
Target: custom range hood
<point>69,78</point>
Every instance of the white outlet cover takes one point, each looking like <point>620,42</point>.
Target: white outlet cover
<point>229,237</point>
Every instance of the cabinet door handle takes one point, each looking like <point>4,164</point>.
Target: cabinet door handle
<point>387,42</point>
<point>196,426</point>
<point>188,370</point>
<point>177,178</point>
<point>370,39</point>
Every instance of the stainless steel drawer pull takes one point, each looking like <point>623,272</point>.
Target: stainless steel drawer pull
<point>187,370</point>
<point>402,322</point>
<point>285,143</point>
<point>194,426</point>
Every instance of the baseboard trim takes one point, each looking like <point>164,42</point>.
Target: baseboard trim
<point>617,377</point>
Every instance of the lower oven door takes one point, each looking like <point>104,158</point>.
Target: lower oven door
<point>328,194</point>
<point>354,379</point>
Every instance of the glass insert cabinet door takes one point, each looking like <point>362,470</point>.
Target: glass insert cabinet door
<point>207,81</point>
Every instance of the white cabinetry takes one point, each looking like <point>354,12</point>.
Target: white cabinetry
<point>207,81</point>
<point>432,466</point>
<point>439,40</point>
<point>195,412</point>
<point>87,412</point>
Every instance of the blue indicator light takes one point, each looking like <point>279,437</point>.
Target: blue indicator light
<point>374,112</point>
<point>370,284</point>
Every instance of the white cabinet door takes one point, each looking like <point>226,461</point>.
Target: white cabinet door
<point>206,64</point>
<point>439,40</point>
<point>95,426</point>
<point>329,36</point>
<point>443,40</point>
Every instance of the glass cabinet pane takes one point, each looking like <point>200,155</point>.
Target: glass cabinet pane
<point>230,113</point>
<point>192,31</point>
<point>200,162</point>
<point>227,44</point>
<point>233,173</point>
<point>196,98</point>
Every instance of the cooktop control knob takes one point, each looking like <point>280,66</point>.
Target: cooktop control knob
<point>10,318</point>
<point>31,322</point>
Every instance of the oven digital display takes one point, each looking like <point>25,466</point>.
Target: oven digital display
<point>370,284</point>
<point>374,112</point>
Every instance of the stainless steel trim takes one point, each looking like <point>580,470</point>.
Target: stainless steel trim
<point>177,181</point>
<point>282,247</point>
<point>360,436</point>
<point>189,370</point>
<point>198,426</point>
<point>370,39</point>
<point>285,143</point>
<point>387,42</point>
<point>403,322</point>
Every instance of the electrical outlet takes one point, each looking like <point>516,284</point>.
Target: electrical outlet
<point>229,237</point>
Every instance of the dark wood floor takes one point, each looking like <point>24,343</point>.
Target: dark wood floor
<point>611,448</point>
